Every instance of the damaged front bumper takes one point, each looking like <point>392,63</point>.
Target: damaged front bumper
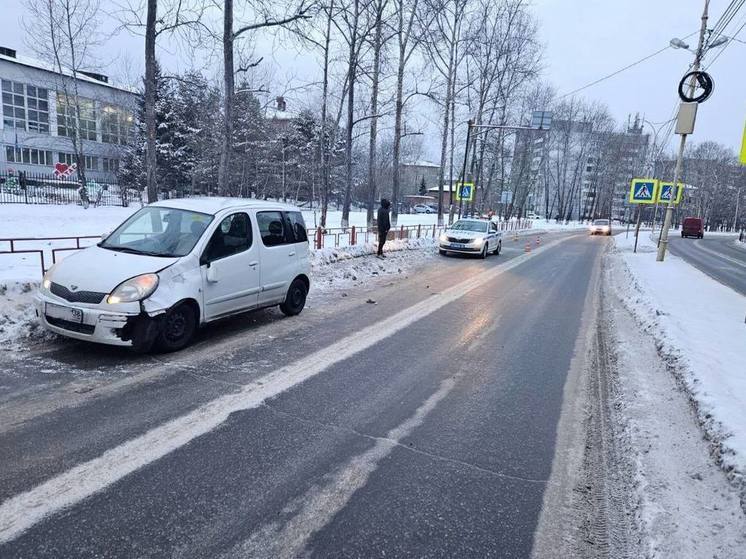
<point>128,325</point>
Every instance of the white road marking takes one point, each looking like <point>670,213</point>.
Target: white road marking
<point>22,511</point>
<point>319,505</point>
<point>719,255</point>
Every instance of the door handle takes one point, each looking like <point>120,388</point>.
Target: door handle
<point>291,253</point>
<point>254,264</point>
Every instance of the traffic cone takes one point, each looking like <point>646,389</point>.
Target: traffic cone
<point>538,241</point>
<point>528,247</point>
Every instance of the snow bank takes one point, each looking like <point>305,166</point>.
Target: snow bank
<point>739,244</point>
<point>698,326</point>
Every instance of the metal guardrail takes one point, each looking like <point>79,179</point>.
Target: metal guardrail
<point>320,237</point>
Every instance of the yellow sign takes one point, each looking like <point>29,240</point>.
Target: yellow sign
<point>465,191</point>
<point>743,147</point>
<point>643,191</point>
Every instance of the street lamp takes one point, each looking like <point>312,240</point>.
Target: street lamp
<point>678,44</point>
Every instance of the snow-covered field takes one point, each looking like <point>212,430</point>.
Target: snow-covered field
<point>698,327</point>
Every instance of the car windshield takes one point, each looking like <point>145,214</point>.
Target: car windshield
<point>467,225</point>
<point>159,231</point>
<point>601,222</point>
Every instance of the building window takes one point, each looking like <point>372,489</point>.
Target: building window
<point>29,156</point>
<point>110,165</point>
<point>66,117</point>
<point>37,100</point>
<point>14,107</point>
<point>115,123</point>
<point>67,158</point>
<point>91,163</point>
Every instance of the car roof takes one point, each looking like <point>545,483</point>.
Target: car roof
<point>215,204</point>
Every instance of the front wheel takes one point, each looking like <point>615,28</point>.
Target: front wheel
<point>295,299</point>
<point>498,249</point>
<point>441,252</point>
<point>483,254</point>
<point>179,327</point>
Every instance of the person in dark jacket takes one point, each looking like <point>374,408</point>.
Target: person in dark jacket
<point>384,224</point>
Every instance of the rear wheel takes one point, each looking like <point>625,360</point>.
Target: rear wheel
<point>179,327</point>
<point>295,299</point>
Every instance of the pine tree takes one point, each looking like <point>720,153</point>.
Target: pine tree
<point>423,187</point>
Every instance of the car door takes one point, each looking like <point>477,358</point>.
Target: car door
<point>278,255</point>
<point>300,237</point>
<point>230,269</point>
<point>493,237</point>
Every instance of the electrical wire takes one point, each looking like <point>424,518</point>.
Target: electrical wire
<point>617,72</point>
<point>732,38</point>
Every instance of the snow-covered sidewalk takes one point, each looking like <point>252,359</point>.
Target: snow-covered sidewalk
<point>698,327</point>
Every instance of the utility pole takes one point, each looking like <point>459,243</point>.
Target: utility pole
<point>680,158</point>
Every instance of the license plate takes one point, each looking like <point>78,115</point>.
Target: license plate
<point>63,313</point>
<point>458,245</point>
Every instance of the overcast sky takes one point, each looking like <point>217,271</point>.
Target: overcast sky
<point>585,40</point>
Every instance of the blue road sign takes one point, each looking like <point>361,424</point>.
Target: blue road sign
<point>643,191</point>
<point>465,192</point>
<point>666,190</point>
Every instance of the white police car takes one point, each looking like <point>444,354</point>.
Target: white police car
<point>472,236</point>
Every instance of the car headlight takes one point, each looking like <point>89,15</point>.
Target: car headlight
<point>478,242</point>
<point>46,282</point>
<point>133,289</point>
<point>444,238</point>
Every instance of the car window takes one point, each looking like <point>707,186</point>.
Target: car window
<point>493,227</point>
<point>232,236</point>
<point>273,228</point>
<point>298,227</point>
<point>467,225</point>
<point>601,222</point>
<point>159,231</point>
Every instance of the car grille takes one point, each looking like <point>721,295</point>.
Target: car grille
<point>72,326</point>
<point>76,296</point>
<point>463,241</point>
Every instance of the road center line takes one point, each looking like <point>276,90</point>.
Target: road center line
<point>22,511</point>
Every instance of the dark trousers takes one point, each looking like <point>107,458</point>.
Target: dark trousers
<point>382,241</point>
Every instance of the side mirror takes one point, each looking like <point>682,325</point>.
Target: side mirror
<point>212,274</point>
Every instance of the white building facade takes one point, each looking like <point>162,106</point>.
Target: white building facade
<point>35,124</point>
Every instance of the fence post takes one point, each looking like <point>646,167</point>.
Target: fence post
<point>352,236</point>
<point>401,232</point>
<point>418,230</point>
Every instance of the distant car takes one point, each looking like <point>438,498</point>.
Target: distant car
<point>532,215</point>
<point>692,227</point>
<point>175,265</point>
<point>471,236</point>
<point>422,209</point>
<point>600,227</point>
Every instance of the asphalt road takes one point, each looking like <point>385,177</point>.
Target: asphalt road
<point>715,256</point>
<point>423,425</point>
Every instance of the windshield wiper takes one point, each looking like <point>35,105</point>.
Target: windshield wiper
<point>129,250</point>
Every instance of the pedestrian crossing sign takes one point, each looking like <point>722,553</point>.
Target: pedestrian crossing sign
<point>465,191</point>
<point>665,190</point>
<point>643,191</point>
<point>742,157</point>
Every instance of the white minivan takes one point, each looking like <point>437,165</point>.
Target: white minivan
<point>175,265</point>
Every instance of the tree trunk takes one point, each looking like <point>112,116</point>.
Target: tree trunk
<point>399,111</point>
<point>323,147</point>
<point>351,75</point>
<point>150,87</point>
<point>229,87</point>
<point>374,112</point>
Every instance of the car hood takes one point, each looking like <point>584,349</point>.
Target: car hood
<point>99,269</point>
<point>465,234</point>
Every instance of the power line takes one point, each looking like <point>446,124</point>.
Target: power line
<point>732,38</point>
<point>617,72</point>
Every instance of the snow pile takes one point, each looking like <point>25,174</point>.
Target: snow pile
<point>698,327</point>
<point>739,244</point>
<point>338,268</point>
<point>17,317</point>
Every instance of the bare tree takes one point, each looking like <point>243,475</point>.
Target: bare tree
<point>267,16</point>
<point>442,47</point>
<point>65,32</point>
<point>175,16</point>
